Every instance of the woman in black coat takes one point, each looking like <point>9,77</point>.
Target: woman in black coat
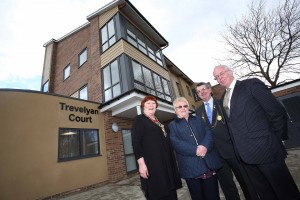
<point>151,145</point>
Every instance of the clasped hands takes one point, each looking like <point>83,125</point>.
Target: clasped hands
<point>201,151</point>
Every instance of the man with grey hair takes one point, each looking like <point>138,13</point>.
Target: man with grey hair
<point>211,112</point>
<point>257,126</point>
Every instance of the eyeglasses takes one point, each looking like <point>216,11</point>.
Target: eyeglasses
<point>185,106</point>
<point>221,74</point>
<point>202,90</point>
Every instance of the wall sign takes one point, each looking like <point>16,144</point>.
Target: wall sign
<point>75,109</point>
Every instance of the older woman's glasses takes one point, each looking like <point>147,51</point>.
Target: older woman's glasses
<point>184,106</point>
<point>221,74</point>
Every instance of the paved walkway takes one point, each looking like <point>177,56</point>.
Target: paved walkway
<point>130,189</point>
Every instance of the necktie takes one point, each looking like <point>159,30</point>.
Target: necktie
<point>208,112</point>
<point>226,102</point>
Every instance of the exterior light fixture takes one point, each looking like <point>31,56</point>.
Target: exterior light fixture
<point>115,127</point>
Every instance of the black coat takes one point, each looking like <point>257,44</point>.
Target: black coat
<point>221,136</point>
<point>257,123</point>
<point>148,141</point>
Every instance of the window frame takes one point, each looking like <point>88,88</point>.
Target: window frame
<point>80,142</point>
<point>69,68</point>
<point>45,85</point>
<point>179,89</point>
<point>143,44</point>
<point>108,37</point>
<point>112,85</point>
<point>81,89</point>
<point>142,85</point>
<point>79,57</point>
<point>128,154</point>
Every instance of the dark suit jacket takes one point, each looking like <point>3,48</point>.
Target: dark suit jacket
<point>257,123</point>
<point>221,137</point>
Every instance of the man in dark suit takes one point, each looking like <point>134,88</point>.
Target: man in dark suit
<point>257,125</point>
<point>211,109</point>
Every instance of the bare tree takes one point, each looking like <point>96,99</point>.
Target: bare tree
<point>266,45</point>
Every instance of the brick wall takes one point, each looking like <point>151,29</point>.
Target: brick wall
<point>95,91</point>
<point>68,51</point>
<point>114,147</point>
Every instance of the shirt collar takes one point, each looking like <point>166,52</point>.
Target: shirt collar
<point>231,86</point>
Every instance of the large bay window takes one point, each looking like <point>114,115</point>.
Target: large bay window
<point>150,82</point>
<point>140,41</point>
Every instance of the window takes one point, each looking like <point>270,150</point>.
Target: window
<point>178,89</point>
<point>108,35</point>
<point>292,106</point>
<point>67,72</point>
<point>82,57</point>
<point>77,143</point>
<point>111,80</point>
<point>139,40</point>
<point>196,97</point>
<point>45,87</point>
<point>166,89</point>
<point>75,94</point>
<point>128,150</point>
<point>81,94</point>
<point>188,90</point>
<point>150,82</point>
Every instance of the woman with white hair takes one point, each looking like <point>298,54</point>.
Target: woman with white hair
<point>191,138</point>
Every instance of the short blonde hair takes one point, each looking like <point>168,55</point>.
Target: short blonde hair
<point>180,99</point>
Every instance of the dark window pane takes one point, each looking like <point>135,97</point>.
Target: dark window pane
<point>148,78</point>
<point>111,28</point>
<point>137,72</point>
<point>131,34</point>
<point>104,35</point>
<point>115,72</point>
<point>77,143</point>
<point>105,46</point>
<point>83,94</point>
<point>67,72</point>
<point>159,62</point>
<point>112,41</point>
<point>157,82</point>
<point>83,57</point>
<point>133,42</point>
<point>168,98</point>
<point>107,95</point>
<point>292,106</point>
<point>68,144</point>
<point>106,77</point>
<point>130,163</point>
<point>116,90</point>
<point>139,87</point>
<point>90,142</point>
<point>166,86</point>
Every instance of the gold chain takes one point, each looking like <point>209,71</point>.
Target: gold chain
<point>157,122</point>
